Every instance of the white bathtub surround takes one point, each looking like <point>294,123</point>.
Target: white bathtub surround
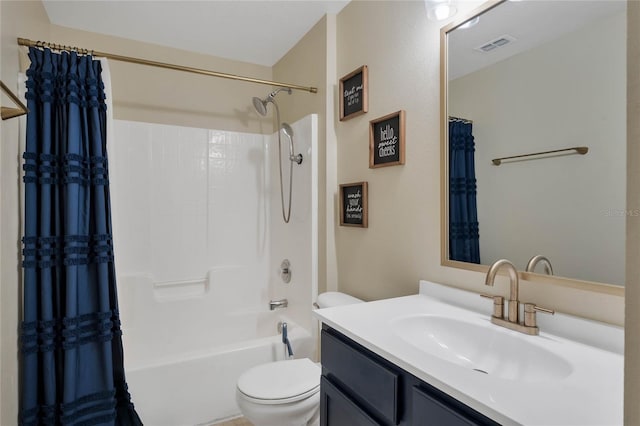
<point>582,386</point>
<point>198,247</point>
<point>300,246</point>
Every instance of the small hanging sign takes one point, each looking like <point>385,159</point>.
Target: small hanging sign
<point>386,140</point>
<point>354,98</point>
<point>354,204</point>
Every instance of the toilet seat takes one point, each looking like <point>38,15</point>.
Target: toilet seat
<point>280,382</point>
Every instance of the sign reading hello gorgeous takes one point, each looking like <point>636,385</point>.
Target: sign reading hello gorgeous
<point>386,140</point>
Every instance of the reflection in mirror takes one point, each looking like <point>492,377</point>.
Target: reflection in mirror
<point>530,77</point>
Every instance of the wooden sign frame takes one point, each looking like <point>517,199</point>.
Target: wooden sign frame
<point>363,204</point>
<point>349,85</point>
<point>384,129</point>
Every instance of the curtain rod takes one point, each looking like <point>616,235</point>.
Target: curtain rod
<point>464,120</point>
<point>54,46</point>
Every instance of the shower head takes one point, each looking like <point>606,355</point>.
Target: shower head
<point>287,130</point>
<point>261,104</point>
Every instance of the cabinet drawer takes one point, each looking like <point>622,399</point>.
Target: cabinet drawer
<point>433,408</point>
<point>374,385</point>
<point>337,409</point>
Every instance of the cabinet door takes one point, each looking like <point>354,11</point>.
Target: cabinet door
<point>337,409</point>
<point>430,409</point>
<point>373,384</point>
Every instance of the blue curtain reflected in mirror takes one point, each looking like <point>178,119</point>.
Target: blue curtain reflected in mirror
<point>464,236</point>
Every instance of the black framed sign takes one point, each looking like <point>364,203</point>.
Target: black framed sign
<point>386,140</point>
<point>354,93</point>
<point>354,204</point>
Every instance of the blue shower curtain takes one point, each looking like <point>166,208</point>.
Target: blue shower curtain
<point>464,239</point>
<point>71,349</point>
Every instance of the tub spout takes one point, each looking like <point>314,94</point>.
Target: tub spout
<point>277,304</point>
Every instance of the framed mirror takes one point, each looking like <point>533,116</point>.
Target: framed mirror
<point>533,140</point>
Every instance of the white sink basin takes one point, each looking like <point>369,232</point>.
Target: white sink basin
<point>487,349</point>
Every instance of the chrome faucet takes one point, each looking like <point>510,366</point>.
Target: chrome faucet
<point>512,322</point>
<point>276,304</point>
<point>533,262</point>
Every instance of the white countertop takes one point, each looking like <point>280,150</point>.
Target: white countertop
<point>592,394</point>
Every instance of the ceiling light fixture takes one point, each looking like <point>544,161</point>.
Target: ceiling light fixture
<point>470,23</point>
<point>439,10</point>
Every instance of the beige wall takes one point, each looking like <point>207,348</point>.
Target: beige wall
<point>632,320</point>
<point>389,257</point>
<point>18,18</point>
<point>159,95</point>
<point>402,243</point>
<point>311,62</point>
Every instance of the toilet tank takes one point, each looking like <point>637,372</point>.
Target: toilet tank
<point>331,299</point>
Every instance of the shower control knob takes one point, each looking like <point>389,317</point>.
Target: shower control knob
<point>285,271</point>
<point>297,158</point>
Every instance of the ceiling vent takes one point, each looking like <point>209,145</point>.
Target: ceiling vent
<point>501,41</point>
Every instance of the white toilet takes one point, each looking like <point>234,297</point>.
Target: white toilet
<point>286,393</point>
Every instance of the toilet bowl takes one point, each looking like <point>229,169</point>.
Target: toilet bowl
<point>286,393</point>
<point>281,393</point>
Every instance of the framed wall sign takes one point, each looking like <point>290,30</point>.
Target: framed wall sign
<point>386,140</point>
<point>354,204</point>
<point>354,93</point>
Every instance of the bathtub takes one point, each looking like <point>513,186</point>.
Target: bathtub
<point>183,355</point>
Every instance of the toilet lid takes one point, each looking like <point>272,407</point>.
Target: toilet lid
<point>331,299</point>
<point>281,380</point>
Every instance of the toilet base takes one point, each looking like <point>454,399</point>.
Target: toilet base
<point>305,412</point>
<point>315,420</point>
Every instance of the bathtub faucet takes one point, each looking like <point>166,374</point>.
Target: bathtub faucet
<point>275,304</point>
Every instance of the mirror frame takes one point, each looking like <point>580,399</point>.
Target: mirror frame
<point>610,289</point>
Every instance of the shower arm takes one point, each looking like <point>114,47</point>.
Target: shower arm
<point>278,90</point>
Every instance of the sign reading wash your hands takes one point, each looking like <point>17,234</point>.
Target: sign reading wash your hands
<point>354,204</point>
<point>386,140</point>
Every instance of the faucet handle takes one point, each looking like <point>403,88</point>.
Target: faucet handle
<point>530,310</point>
<point>498,305</point>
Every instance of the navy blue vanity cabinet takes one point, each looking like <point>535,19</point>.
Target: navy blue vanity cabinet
<point>360,388</point>
<point>337,408</point>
